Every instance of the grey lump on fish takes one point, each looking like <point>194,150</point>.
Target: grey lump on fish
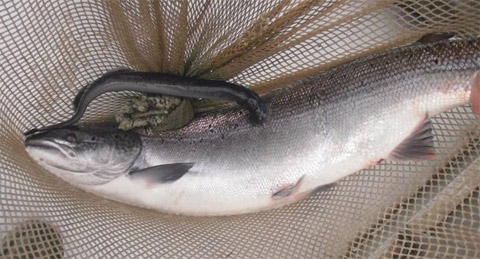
<point>165,84</point>
<point>154,113</point>
<point>319,130</point>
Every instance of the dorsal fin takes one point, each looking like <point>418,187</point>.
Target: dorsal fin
<point>435,37</point>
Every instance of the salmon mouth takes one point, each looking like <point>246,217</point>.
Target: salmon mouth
<point>50,146</point>
<point>43,150</point>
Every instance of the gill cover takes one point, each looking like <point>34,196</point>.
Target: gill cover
<point>85,156</point>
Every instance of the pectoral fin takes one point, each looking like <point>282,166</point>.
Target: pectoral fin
<point>161,173</point>
<point>418,146</point>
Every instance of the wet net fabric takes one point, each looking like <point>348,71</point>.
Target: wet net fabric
<point>49,50</point>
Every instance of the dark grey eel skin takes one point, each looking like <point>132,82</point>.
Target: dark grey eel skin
<point>165,84</point>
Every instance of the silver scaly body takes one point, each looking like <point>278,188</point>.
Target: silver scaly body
<point>319,131</point>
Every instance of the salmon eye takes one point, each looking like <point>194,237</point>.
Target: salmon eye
<point>72,138</point>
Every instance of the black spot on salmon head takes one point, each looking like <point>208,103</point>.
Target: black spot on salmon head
<point>67,151</point>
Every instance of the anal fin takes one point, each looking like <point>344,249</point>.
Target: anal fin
<point>418,146</point>
<point>166,173</point>
<point>475,94</point>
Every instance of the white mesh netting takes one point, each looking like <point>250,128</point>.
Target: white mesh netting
<point>51,49</point>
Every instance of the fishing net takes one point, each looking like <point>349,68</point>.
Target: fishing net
<point>51,49</point>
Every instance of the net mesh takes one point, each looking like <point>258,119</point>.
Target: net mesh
<point>51,49</point>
